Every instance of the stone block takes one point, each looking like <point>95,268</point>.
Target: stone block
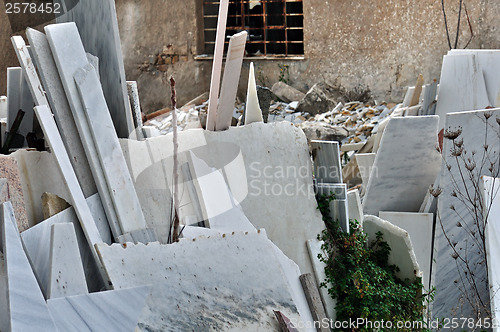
<point>287,93</point>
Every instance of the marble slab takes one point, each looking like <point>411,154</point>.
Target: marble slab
<point>69,55</point>
<point>26,304</point>
<point>9,170</point>
<point>3,108</point>
<point>419,228</point>
<point>19,97</point>
<point>118,181</point>
<point>191,232</point>
<point>218,204</point>
<point>472,128</point>
<point>253,112</point>
<point>98,27</point>
<point>4,314</point>
<point>77,199</point>
<point>110,311</point>
<point>29,71</point>
<point>491,209</point>
<point>213,98</point>
<point>135,106</point>
<point>144,235</point>
<point>36,241</point>
<point>406,164</point>
<point>354,206</point>
<point>326,161</point>
<point>274,171</point>
<point>42,56</point>
<point>66,275</point>
<point>489,64</point>
<point>365,163</point>
<point>402,254</point>
<point>230,80</point>
<point>462,86</point>
<point>314,249</point>
<point>339,210</point>
<point>429,100</point>
<point>191,296</point>
<point>193,195</point>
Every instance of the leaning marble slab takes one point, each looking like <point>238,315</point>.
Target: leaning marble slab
<point>462,86</point>
<point>491,209</point>
<point>144,235</point>
<point>219,206</point>
<point>472,131</point>
<point>4,314</point>
<point>98,27</point>
<point>402,254</point>
<point>190,296</point>
<point>110,311</point>
<point>135,105</point>
<point>42,56</point>
<point>26,308</point>
<point>77,199</point>
<point>230,80</point>
<point>354,206</point>
<point>365,163</point>
<point>419,227</point>
<point>37,245</point>
<point>19,97</point>
<point>314,249</point>
<point>406,164</point>
<point>339,210</point>
<point>326,161</point>
<point>66,275</point>
<point>69,55</point>
<point>118,181</point>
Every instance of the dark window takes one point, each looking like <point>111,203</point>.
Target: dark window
<point>275,27</point>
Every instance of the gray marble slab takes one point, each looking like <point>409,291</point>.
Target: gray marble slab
<point>135,106</point>
<point>461,87</point>
<point>69,55</point>
<point>453,215</point>
<point>76,195</point>
<point>190,296</point>
<point>42,56</point>
<point>26,304</point>
<point>406,164</point>
<point>4,314</point>
<point>354,206</point>
<point>110,311</point>
<point>429,100</point>
<point>118,180</point>
<point>66,275</point>
<point>36,242</point>
<point>98,27</point>
<point>19,97</point>
<point>230,80</point>
<point>326,161</point>
<point>339,210</point>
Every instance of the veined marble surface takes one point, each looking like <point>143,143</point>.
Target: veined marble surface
<point>326,161</point>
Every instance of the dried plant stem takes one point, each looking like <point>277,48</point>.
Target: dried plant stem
<point>175,235</point>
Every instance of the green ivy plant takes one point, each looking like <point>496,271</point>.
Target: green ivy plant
<point>360,278</point>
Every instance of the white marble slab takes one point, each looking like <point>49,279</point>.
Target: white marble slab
<point>77,199</point>
<point>253,112</point>
<point>66,275</point>
<point>220,209</point>
<point>339,210</point>
<point>42,56</point>
<point>118,180</point>
<point>36,241</point>
<point>489,64</point>
<point>406,164</point>
<point>429,100</point>
<point>326,161</point>
<point>462,86</point>
<point>419,227</point>
<point>448,301</point>
<point>135,106</point>
<point>191,232</point>
<point>314,248</point>
<point>191,296</point>
<point>19,97</point>
<point>3,108</point>
<point>230,80</point>
<point>354,206</point>
<point>4,314</point>
<point>490,191</point>
<point>26,305</point>
<point>365,163</point>
<point>213,99</point>
<point>402,254</point>
<point>98,27</point>
<point>69,55</point>
<point>274,171</point>
<point>110,311</point>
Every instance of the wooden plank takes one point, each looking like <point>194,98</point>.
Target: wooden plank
<point>314,300</point>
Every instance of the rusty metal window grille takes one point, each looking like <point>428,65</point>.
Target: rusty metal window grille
<point>275,27</point>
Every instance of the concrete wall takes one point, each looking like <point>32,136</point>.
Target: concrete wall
<point>380,44</point>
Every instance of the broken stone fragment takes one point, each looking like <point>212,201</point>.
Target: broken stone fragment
<point>323,131</point>
<point>319,99</point>
<point>286,93</point>
<point>266,96</point>
<point>52,205</point>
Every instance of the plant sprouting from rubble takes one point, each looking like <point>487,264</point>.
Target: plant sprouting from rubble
<point>359,93</point>
<point>284,75</point>
<point>461,6</point>
<point>360,278</point>
<point>465,170</point>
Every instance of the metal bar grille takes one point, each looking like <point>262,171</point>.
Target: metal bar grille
<point>275,27</point>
